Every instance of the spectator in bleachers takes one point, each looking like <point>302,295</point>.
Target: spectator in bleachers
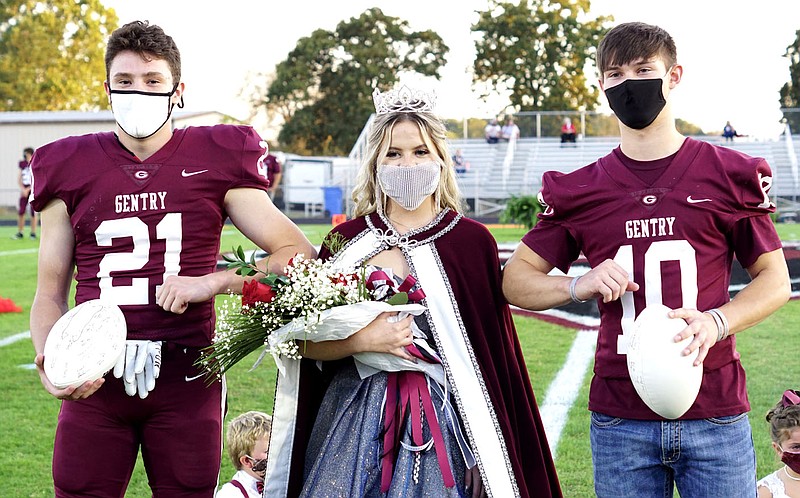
<point>729,132</point>
<point>460,163</point>
<point>510,130</point>
<point>567,131</point>
<point>492,132</point>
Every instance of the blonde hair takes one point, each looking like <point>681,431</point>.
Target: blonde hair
<point>243,433</point>
<point>367,194</point>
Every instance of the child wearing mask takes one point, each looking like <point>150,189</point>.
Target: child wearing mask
<point>784,425</point>
<point>248,443</point>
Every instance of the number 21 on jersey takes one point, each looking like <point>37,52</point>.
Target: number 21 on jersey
<point>137,292</point>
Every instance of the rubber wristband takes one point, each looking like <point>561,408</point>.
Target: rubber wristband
<point>572,294</point>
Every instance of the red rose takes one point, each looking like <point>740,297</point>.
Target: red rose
<point>254,292</point>
<point>291,260</point>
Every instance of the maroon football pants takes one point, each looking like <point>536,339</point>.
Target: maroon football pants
<point>178,427</point>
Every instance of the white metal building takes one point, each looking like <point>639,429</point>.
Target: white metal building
<point>34,129</point>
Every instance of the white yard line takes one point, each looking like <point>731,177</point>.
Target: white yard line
<point>14,338</point>
<point>564,389</point>
<point>19,251</point>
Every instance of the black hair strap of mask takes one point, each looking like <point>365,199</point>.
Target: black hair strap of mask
<point>180,102</point>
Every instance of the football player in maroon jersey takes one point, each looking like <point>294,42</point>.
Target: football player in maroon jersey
<point>659,220</point>
<point>137,214</point>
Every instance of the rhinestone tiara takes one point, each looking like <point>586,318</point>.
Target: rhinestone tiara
<point>403,99</point>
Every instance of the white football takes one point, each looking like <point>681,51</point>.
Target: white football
<point>84,343</point>
<point>666,380</point>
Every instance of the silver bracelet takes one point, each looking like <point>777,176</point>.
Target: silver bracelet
<point>723,329</point>
<point>725,325</point>
<point>572,294</point>
<point>717,322</point>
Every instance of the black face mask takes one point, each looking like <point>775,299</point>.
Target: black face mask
<point>637,103</point>
<point>259,466</point>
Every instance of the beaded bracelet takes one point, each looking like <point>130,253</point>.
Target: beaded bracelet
<point>572,294</point>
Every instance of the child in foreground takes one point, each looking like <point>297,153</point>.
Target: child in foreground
<point>784,425</point>
<point>247,442</point>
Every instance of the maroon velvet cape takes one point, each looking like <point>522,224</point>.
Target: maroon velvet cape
<point>468,254</point>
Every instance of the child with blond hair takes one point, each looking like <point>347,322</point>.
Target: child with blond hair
<point>248,443</point>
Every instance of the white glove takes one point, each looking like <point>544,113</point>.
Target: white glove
<point>139,366</point>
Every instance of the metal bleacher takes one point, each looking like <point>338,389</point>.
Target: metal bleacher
<point>495,173</point>
<point>491,179</point>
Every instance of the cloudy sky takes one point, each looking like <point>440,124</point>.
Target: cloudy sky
<point>732,51</point>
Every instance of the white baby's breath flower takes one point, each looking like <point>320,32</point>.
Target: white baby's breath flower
<point>310,287</point>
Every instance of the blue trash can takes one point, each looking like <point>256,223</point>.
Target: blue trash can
<point>333,200</point>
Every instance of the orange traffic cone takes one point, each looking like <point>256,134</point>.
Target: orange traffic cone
<point>8,306</point>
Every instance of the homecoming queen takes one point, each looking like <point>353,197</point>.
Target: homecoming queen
<point>470,428</point>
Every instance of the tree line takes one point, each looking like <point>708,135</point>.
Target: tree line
<point>51,58</point>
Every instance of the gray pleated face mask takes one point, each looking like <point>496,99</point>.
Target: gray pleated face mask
<point>409,185</point>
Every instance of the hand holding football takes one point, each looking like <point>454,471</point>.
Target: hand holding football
<point>667,381</point>
<point>84,343</point>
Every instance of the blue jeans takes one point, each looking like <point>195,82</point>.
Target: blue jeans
<point>705,458</point>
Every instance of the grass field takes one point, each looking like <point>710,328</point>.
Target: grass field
<point>28,414</point>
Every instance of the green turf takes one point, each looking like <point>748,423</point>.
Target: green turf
<point>28,413</point>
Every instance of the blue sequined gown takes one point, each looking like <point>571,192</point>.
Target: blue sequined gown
<point>344,453</point>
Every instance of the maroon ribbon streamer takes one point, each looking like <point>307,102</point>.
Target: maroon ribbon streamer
<point>790,398</point>
<point>378,277</point>
<point>413,392</point>
<point>406,286</point>
<point>407,391</point>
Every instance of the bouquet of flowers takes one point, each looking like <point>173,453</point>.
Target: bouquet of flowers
<point>313,301</point>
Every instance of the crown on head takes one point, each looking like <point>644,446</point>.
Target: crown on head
<point>403,99</point>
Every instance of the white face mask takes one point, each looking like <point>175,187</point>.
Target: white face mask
<point>141,114</point>
<point>409,185</point>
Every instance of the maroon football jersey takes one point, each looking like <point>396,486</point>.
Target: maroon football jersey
<point>137,222</point>
<point>677,238</point>
<point>25,173</point>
